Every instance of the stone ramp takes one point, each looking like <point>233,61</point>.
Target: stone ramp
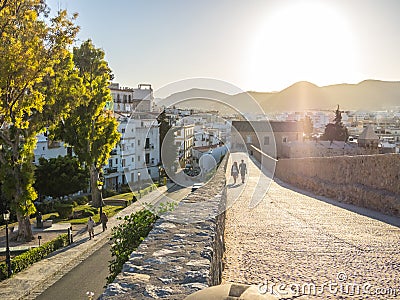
<point>295,240</point>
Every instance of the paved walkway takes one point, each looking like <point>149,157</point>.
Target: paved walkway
<point>293,242</point>
<point>31,282</point>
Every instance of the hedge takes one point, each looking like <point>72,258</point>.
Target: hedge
<point>65,210</point>
<point>33,255</point>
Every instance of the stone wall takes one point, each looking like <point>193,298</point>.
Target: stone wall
<point>183,252</point>
<point>323,149</point>
<point>371,181</point>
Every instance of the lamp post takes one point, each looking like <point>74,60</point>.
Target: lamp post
<point>100,186</point>
<point>138,175</point>
<point>6,216</point>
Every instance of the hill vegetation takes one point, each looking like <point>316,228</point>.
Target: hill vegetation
<point>369,95</point>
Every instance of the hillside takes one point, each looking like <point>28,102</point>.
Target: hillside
<point>366,95</point>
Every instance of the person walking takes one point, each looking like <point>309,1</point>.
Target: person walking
<point>235,171</point>
<point>104,220</point>
<point>90,228</point>
<point>243,170</point>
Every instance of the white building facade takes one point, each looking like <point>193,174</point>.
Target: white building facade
<point>49,149</point>
<point>136,158</point>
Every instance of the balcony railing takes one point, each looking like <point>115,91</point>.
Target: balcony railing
<point>110,170</point>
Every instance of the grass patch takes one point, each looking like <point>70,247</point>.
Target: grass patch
<point>126,196</point>
<point>108,209</point>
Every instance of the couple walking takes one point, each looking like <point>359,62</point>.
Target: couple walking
<point>90,224</point>
<point>235,170</point>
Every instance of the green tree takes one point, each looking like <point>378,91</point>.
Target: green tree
<point>33,52</point>
<point>336,131</point>
<point>169,152</point>
<point>91,129</point>
<point>61,176</point>
<point>164,126</point>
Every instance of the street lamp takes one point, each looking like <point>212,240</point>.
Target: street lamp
<point>6,216</point>
<point>138,175</point>
<point>100,186</point>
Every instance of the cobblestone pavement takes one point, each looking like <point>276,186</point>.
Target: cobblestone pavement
<point>294,239</point>
<point>31,282</point>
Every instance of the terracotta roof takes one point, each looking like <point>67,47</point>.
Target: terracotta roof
<point>368,134</point>
<point>265,126</point>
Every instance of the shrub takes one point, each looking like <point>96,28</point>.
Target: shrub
<point>125,188</point>
<point>52,217</point>
<point>127,237</point>
<point>82,200</point>
<point>44,208</point>
<point>64,210</point>
<point>33,255</point>
<point>109,193</point>
<point>85,212</point>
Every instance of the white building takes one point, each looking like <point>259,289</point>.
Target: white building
<point>49,149</point>
<point>138,152</point>
<point>184,139</point>
<point>129,100</point>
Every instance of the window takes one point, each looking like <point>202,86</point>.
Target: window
<point>284,139</point>
<point>147,158</point>
<point>132,177</point>
<point>138,158</point>
<point>266,140</point>
<point>110,163</point>
<point>123,162</point>
<point>123,130</point>
<point>147,146</point>
<point>116,161</point>
<point>138,142</point>
<point>133,159</point>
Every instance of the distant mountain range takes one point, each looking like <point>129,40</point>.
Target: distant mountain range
<point>368,95</point>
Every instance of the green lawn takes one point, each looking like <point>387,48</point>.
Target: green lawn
<point>126,196</point>
<point>108,209</point>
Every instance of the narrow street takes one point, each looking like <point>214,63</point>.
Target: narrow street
<point>90,275</point>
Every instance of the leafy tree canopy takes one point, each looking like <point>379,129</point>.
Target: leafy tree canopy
<point>37,80</point>
<point>91,129</point>
<point>61,176</point>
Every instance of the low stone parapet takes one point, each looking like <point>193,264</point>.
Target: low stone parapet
<point>182,253</point>
<point>370,181</point>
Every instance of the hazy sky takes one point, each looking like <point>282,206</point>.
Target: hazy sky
<point>263,45</point>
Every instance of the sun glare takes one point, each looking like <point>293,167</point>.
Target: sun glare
<point>302,41</point>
